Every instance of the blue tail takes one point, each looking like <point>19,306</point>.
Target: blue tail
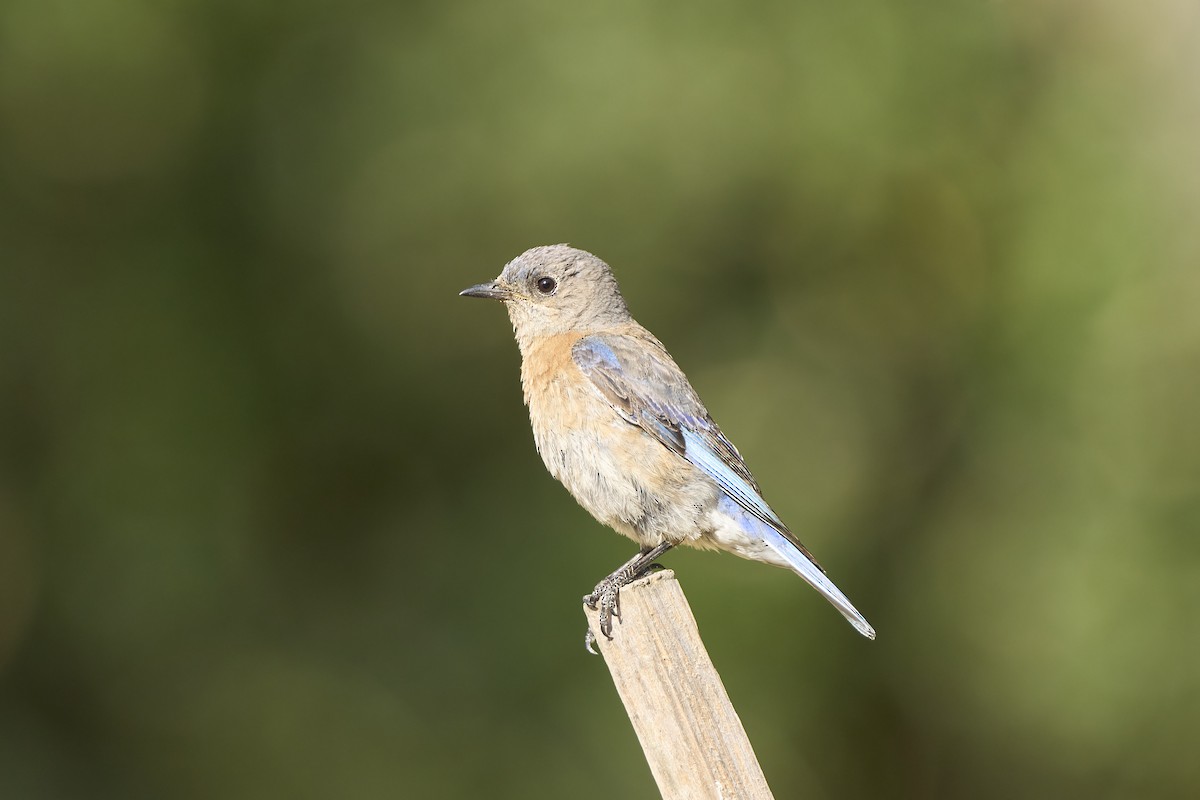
<point>817,579</point>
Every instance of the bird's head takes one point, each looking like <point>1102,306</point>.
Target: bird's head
<point>554,290</point>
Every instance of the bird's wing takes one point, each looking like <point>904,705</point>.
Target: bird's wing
<point>638,378</point>
<point>643,384</point>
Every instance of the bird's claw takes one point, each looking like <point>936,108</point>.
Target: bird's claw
<point>606,598</point>
<point>607,602</point>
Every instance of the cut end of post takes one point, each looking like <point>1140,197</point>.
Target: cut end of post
<point>629,592</point>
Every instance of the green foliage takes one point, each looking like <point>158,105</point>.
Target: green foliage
<point>271,521</point>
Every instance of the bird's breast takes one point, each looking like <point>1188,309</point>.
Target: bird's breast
<point>623,476</point>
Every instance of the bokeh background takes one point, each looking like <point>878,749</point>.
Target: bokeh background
<point>271,519</point>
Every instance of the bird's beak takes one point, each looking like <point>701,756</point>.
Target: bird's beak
<point>490,290</point>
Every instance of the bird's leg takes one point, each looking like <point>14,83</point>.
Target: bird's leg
<point>606,597</point>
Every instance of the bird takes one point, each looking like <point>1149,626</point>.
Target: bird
<point>617,422</point>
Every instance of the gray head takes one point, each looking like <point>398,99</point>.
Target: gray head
<point>556,289</point>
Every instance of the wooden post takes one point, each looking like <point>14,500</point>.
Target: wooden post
<point>692,737</point>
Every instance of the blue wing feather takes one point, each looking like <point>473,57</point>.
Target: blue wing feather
<point>642,382</point>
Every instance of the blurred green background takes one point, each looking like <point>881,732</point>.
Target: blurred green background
<point>271,520</point>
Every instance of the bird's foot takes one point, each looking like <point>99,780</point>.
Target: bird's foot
<point>606,597</point>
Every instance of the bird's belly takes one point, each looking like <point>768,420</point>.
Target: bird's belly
<point>625,478</point>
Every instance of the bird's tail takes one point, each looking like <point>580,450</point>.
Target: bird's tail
<point>816,578</point>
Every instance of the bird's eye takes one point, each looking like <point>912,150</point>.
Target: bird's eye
<point>546,285</point>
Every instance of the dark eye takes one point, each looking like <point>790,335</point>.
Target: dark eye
<point>546,285</point>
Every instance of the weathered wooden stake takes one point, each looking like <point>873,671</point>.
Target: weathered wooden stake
<point>692,737</point>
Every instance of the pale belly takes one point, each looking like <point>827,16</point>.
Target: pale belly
<point>624,477</point>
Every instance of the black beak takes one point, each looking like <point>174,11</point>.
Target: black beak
<point>490,290</point>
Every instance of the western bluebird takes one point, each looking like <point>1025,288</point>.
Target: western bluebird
<point>616,421</point>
